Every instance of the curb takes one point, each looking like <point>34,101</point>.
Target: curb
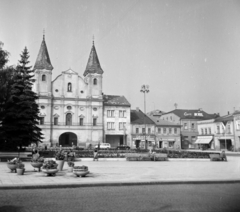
<point>71,185</point>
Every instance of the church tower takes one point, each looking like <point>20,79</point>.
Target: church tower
<point>93,75</point>
<point>43,71</point>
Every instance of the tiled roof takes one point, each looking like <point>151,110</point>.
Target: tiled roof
<point>155,113</point>
<point>93,65</point>
<point>138,117</point>
<point>110,100</point>
<point>43,60</point>
<point>160,122</point>
<point>224,119</point>
<point>237,112</point>
<point>192,114</point>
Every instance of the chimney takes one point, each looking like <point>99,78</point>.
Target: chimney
<point>228,113</point>
<point>137,109</point>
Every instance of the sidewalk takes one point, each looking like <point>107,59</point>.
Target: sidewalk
<point>107,172</point>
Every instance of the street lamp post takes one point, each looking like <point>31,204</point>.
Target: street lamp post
<point>144,90</point>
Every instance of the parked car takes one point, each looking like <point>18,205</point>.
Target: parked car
<point>123,147</point>
<point>103,146</point>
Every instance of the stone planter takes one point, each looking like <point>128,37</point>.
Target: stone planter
<point>20,171</point>
<point>50,172</point>
<point>12,167</point>
<point>80,172</point>
<point>60,164</point>
<point>37,165</point>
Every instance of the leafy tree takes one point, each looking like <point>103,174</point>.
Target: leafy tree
<point>21,110</point>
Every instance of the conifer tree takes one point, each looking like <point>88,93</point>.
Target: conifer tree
<point>21,116</point>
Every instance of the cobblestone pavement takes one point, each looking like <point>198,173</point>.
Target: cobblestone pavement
<point>145,198</point>
<point>122,171</point>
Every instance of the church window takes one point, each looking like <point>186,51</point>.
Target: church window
<point>69,119</point>
<point>69,87</point>
<point>41,121</point>
<point>95,81</point>
<point>94,121</point>
<point>44,77</point>
<point>55,120</point>
<point>81,121</point>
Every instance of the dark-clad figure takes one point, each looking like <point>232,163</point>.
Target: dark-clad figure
<point>95,154</point>
<point>223,156</point>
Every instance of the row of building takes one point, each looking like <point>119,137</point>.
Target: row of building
<point>75,111</point>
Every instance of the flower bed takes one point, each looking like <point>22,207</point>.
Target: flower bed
<point>114,153</point>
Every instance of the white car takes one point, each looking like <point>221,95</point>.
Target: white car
<point>104,146</point>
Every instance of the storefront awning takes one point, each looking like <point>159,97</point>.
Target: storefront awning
<point>203,140</point>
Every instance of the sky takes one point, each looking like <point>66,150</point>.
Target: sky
<point>187,51</point>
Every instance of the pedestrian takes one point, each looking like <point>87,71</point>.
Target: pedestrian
<point>223,156</point>
<point>95,154</point>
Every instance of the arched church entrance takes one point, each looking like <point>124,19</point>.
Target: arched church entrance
<point>68,139</point>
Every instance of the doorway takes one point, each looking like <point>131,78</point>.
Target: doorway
<point>68,139</point>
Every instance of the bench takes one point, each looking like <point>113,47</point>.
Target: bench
<point>138,157</point>
<point>216,157</point>
<point>160,157</point>
<point>146,157</point>
<point>10,155</point>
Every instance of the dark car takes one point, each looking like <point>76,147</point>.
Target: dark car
<point>123,147</point>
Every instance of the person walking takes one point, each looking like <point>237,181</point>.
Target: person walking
<point>95,154</point>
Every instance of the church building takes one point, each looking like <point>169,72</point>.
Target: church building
<point>71,106</point>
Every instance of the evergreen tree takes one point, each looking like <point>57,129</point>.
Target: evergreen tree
<point>3,56</point>
<point>21,115</point>
<point>6,75</point>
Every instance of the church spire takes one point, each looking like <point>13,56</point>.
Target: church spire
<point>43,60</point>
<point>93,65</point>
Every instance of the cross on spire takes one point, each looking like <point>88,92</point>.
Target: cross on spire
<point>43,34</point>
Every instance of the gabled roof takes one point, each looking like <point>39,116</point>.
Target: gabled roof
<point>43,60</point>
<point>70,71</point>
<point>138,117</point>
<point>93,65</point>
<point>160,122</point>
<point>192,114</point>
<point>110,100</point>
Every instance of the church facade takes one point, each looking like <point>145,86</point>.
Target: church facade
<point>71,106</point>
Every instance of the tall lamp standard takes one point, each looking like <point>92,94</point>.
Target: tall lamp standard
<point>144,90</point>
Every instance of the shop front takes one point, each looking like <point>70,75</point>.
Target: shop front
<point>169,143</point>
<point>140,141</point>
<point>205,142</point>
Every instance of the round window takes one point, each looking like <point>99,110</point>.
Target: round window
<point>42,107</point>
<point>81,91</point>
<point>56,90</point>
<point>69,107</point>
<point>94,108</point>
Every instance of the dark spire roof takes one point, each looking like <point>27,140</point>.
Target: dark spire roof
<point>93,65</point>
<point>138,117</point>
<point>43,59</point>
